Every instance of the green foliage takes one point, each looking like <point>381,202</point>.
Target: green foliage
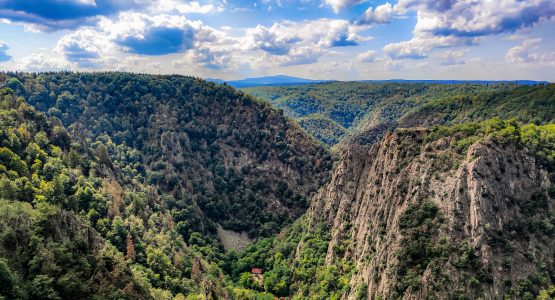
<point>355,111</point>
<point>287,272</point>
<point>362,292</point>
<point>322,128</point>
<point>113,184</point>
<point>539,139</point>
<point>199,145</point>
<point>547,294</point>
<point>419,225</point>
<point>8,282</point>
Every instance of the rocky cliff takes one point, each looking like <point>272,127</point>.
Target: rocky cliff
<point>440,217</point>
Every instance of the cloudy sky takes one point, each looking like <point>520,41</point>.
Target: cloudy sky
<point>319,39</point>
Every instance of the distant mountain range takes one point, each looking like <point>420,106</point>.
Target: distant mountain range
<point>520,82</point>
<point>284,80</point>
<point>267,81</point>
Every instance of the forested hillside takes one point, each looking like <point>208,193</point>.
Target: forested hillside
<point>131,186</point>
<point>49,248</point>
<point>219,155</point>
<point>464,210</point>
<point>458,212</point>
<point>118,187</point>
<point>337,111</point>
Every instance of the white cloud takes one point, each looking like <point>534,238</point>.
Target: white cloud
<point>137,33</point>
<point>452,57</point>
<point>202,46</point>
<point>419,47</point>
<point>291,43</point>
<point>301,56</point>
<point>86,48</point>
<point>3,52</point>
<point>380,15</point>
<point>478,18</point>
<point>528,53</point>
<point>272,40</point>
<point>41,62</point>
<point>452,23</point>
<point>368,56</point>
<point>206,58</point>
<point>87,2</point>
<point>338,5</point>
<point>321,33</point>
<point>185,7</point>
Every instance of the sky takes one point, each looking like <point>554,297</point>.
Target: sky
<point>317,39</point>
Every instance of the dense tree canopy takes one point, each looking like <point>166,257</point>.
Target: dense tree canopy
<point>112,185</point>
<point>348,112</point>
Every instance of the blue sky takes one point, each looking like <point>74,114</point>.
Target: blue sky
<point>319,39</point>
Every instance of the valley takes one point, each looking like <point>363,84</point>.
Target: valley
<point>118,185</point>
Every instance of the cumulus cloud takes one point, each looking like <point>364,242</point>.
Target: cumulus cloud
<point>380,15</point>
<point>292,43</point>
<point>135,33</point>
<point>272,40</point>
<point>49,15</point>
<point>322,33</point>
<point>155,35</point>
<point>479,18</point>
<point>368,56</point>
<point>59,14</point>
<point>41,62</point>
<point>86,48</point>
<point>301,56</point>
<point>451,23</point>
<point>528,52</point>
<point>3,52</point>
<point>159,41</point>
<point>338,5</point>
<point>186,7</point>
<point>452,57</point>
<point>419,47</point>
<point>522,53</point>
<point>205,57</point>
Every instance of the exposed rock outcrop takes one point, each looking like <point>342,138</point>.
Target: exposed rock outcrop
<point>421,219</point>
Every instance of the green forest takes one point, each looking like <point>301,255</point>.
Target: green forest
<point>115,185</point>
<point>112,184</point>
<point>345,112</point>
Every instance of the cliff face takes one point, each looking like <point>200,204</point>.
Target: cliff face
<point>421,219</point>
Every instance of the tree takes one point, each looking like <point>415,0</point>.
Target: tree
<point>8,283</point>
<point>102,155</point>
<point>159,262</point>
<point>42,287</point>
<point>74,158</point>
<point>130,253</point>
<point>547,294</point>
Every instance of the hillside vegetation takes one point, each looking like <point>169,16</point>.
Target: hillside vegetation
<point>347,112</point>
<point>118,186</point>
<point>219,155</point>
<point>452,212</point>
<point>452,198</point>
<point>113,185</point>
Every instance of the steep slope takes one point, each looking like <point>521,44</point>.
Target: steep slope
<point>322,128</point>
<point>220,156</point>
<point>48,251</point>
<point>421,216</point>
<point>126,201</point>
<point>466,211</point>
